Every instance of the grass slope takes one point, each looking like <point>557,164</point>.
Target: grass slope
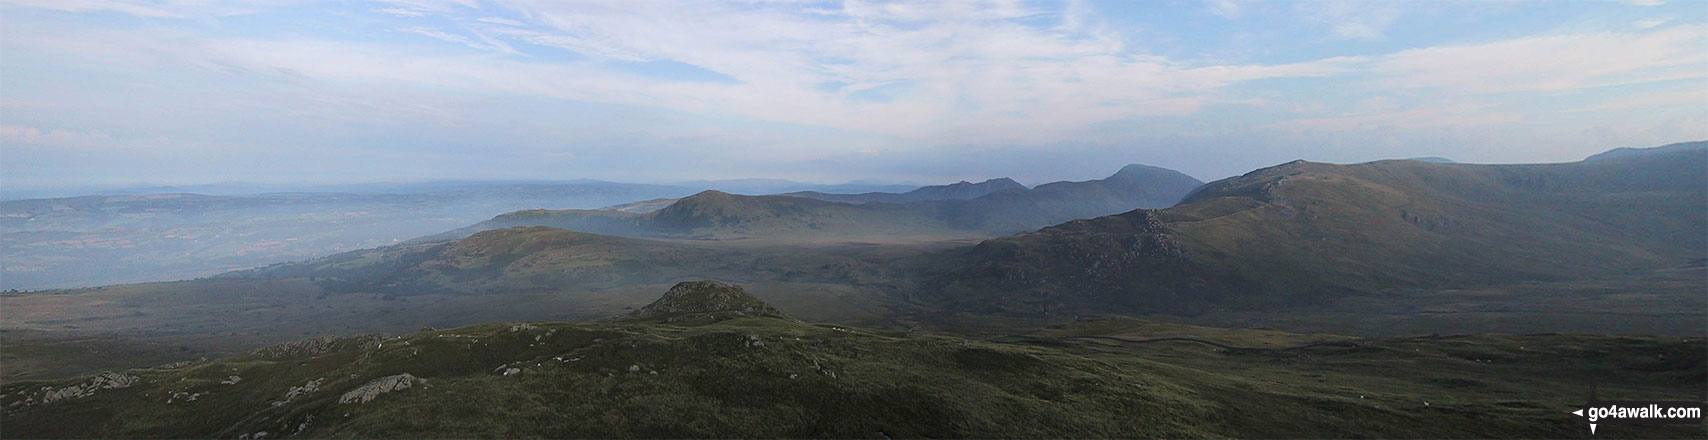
<point>769,376</point>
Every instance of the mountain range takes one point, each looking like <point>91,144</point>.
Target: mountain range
<point>957,191</point>
<point>1302,232</point>
<point>1610,245</point>
<point>958,210</point>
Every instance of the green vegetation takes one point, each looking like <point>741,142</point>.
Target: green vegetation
<point>770,376</point>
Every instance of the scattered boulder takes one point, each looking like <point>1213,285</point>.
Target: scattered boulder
<point>295,392</point>
<point>104,381</point>
<point>184,396</point>
<point>383,385</point>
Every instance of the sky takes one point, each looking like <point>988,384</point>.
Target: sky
<point>123,92</point>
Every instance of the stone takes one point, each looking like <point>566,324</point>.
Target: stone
<point>104,381</point>
<point>367,393</point>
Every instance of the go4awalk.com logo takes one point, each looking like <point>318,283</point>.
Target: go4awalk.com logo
<point>1640,413</point>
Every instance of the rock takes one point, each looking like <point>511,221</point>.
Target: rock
<point>512,371</point>
<point>383,385</point>
<point>634,368</point>
<point>316,346</point>
<point>304,389</point>
<point>754,341</point>
<point>104,381</point>
<point>231,380</point>
<point>184,396</point>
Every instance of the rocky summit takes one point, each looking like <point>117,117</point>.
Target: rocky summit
<point>700,300</point>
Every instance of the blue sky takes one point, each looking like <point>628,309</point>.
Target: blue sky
<point>117,92</point>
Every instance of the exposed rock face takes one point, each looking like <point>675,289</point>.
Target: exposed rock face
<point>383,385</point>
<point>705,297</point>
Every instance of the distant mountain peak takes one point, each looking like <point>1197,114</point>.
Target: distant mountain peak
<point>1142,171</point>
<point>705,298</point>
<point>1698,146</point>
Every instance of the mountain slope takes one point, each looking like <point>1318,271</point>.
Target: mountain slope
<point>1669,148</point>
<point>957,191</point>
<point>1303,231</point>
<point>543,259</point>
<point>762,376</point>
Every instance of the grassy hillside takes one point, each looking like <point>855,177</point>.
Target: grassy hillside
<point>768,376</point>
<point>538,258</point>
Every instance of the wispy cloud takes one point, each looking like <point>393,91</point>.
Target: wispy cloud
<point>786,81</point>
<point>1354,19</point>
<point>1651,23</point>
<point>1223,8</point>
<point>1551,62</point>
<point>484,43</point>
<point>401,12</point>
<point>499,20</point>
<point>19,136</point>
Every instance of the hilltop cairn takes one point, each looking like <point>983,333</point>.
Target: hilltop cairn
<point>703,301</point>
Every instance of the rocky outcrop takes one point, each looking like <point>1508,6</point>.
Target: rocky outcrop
<point>104,381</point>
<point>303,390</point>
<point>383,385</point>
<point>315,346</point>
<point>704,298</point>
